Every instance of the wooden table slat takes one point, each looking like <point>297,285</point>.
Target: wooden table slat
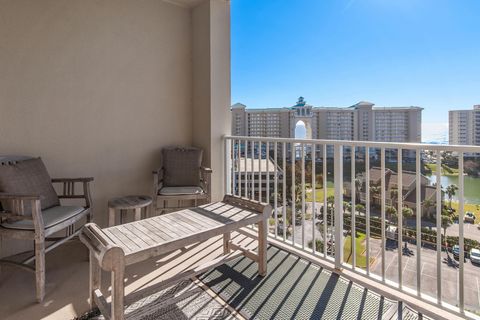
<point>202,220</point>
<point>179,222</point>
<point>167,229</point>
<point>146,235</point>
<point>152,234</point>
<point>127,243</point>
<point>161,233</point>
<point>138,239</point>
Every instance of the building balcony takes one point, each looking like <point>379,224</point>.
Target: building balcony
<point>407,253</point>
<point>98,88</point>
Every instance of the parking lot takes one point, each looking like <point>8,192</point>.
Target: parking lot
<point>428,272</point>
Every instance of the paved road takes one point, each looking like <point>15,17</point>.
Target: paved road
<point>471,231</point>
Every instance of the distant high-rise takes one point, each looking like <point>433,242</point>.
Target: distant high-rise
<point>361,121</point>
<point>464,126</point>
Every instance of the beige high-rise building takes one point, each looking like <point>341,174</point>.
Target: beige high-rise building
<point>362,121</point>
<point>464,126</point>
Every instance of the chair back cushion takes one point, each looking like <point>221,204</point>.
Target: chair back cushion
<point>28,177</point>
<point>181,166</point>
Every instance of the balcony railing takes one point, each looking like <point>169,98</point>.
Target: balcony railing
<point>347,202</point>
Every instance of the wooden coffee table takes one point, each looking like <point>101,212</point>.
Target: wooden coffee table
<point>113,248</point>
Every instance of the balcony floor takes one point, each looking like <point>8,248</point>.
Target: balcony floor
<point>235,283</point>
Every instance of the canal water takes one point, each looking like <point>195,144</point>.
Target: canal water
<point>472,187</point>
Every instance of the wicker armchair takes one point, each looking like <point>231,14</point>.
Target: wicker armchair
<point>31,210</point>
<point>180,179</point>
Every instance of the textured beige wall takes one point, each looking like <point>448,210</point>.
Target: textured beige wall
<point>96,88</point>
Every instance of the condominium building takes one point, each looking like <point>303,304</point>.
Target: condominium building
<point>464,126</point>
<point>362,121</point>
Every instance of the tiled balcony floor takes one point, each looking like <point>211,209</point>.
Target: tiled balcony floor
<point>67,283</point>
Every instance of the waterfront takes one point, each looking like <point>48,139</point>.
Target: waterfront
<point>472,187</point>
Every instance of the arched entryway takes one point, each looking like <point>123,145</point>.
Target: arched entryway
<point>303,129</point>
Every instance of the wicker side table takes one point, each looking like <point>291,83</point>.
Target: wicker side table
<point>137,204</point>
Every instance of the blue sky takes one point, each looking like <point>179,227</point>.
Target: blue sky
<point>339,52</point>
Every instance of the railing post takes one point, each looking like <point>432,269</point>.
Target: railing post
<point>228,166</point>
<point>338,183</point>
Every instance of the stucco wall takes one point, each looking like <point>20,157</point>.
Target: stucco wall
<point>96,88</point>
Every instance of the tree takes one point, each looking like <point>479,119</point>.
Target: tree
<point>428,204</point>
<point>360,207</point>
<point>375,193</point>
<point>391,212</point>
<point>406,213</point>
<point>451,190</point>
<point>394,196</point>
<point>347,206</point>
<point>358,186</point>
<point>448,217</point>
<point>319,181</point>
<point>318,245</point>
<point>330,203</point>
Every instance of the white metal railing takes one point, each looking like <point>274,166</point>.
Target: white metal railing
<point>275,170</point>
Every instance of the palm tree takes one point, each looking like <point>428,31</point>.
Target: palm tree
<point>451,190</point>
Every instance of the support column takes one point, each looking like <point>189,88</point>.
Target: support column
<point>211,86</point>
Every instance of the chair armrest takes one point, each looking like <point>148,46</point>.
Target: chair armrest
<point>60,180</point>
<point>68,191</point>
<point>18,208</point>
<point>157,181</point>
<point>205,178</point>
<point>159,173</point>
<point>18,196</point>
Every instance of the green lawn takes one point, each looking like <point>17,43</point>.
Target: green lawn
<point>361,259</point>
<point>319,194</point>
<point>468,207</point>
<point>446,171</point>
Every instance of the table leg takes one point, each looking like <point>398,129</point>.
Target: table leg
<point>95,274</point>
<point>262,247</point>
<point>111,217</point>
<point>138,214</point>
<point>226,243</point>
<point>118,293</point>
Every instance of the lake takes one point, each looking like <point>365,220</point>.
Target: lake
<point>472,187</point>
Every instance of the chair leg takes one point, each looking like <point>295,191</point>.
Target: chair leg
<point>40,268</point>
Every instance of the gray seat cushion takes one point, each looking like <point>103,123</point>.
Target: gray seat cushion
<point>181,166</point>
<point>178,191</point>
<point>51,217</point>
<point>28,177</point>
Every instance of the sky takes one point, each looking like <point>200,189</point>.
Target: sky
<point>338,52</point>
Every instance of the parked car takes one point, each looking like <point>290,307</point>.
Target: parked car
<point>469,217</point>
<point>475,256</point>
<point>456,251</point>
